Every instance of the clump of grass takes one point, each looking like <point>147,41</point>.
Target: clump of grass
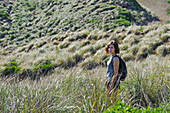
<point>134,49</point>
<point>160,49</point>
<point>124,47</point>
<point>100,56</point>
<point>92,36</point>
<point>89,63</point>
<point>64,45</point>
<point>143,52</point>
<point>121,36</point>
<point>165,37</point>
<point>86,42</point>
<point>127,56</point>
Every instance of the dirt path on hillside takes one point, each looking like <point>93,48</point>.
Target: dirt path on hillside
<point>158,7</point>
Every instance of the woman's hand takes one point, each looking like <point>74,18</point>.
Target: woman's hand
<point>106,83</point>
<point>114,79</point>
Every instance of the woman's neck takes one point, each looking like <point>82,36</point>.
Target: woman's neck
<point>113,54</point>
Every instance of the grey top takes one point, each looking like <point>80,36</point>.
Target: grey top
<point>110,69</point>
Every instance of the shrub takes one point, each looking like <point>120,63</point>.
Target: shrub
<point>122,22</point>
<point>123,108</point>
<point>11,68</point>
<point>42,69</point>
<point>168,22</point>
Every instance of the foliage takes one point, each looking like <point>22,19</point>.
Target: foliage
<point>168,11</point>
<point>121,107</point>
<point>122,22</point>
<point>44,66</point>
<point>11,68</point>
<point>168,22</point>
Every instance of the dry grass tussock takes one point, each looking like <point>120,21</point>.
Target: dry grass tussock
<point>79,90</point>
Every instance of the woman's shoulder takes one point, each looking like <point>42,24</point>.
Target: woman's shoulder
<point>116,58</point>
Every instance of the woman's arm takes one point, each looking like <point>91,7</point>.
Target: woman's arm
<point>116,68</point>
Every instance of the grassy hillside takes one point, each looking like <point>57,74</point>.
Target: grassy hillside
<point>83,49</point>
<point>37,34</point>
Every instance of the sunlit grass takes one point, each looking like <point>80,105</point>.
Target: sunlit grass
<point>78,90</point>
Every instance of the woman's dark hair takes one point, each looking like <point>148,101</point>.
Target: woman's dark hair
<point>115,44</point>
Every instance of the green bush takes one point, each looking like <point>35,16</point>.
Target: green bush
<point>168,22</point>
<point>122,22</point>
<point>42,69</point>
<point>11,68</point>
<point>123,108</point>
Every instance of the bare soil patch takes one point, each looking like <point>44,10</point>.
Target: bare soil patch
<point>158,7</point>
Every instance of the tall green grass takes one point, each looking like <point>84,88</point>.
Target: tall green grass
<point>78,90</point>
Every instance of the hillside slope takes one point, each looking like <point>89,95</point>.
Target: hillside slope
<point>38,37</point>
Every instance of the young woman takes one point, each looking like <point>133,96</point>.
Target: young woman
<point>112,82</point>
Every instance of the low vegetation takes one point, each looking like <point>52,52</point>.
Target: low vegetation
<point>52,56</point>
<point>145,89</point>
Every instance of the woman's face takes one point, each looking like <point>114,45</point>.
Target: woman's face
<point>111,49</point>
